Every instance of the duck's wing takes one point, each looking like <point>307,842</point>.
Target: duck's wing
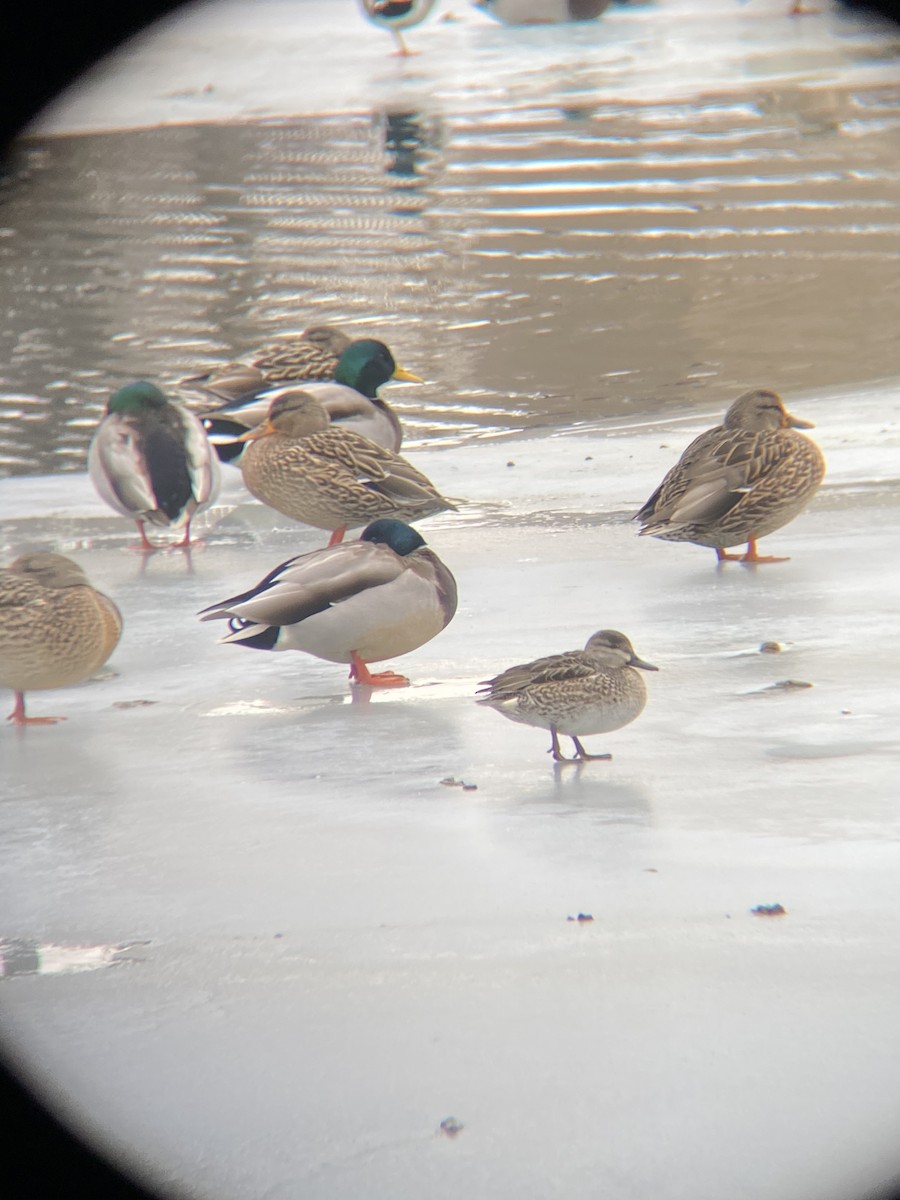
<point>120,468</point>
<point>310,583</point>
<point>287,362</point>
<point>376,468</point>
<point>233,384</point>
<point>553,668</point>
<point>200,456</point>
<point>713,475</point>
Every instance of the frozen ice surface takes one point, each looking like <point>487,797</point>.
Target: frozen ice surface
<point>339,951</point>
<point>337,958</point>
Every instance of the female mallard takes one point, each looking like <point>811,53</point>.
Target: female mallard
<point>395,15</point>
<point>357,603</point>
<point>323,475</point>
<point>55,629</point>
<point>313,354</point>
<point>593,690</point>
<point>350,398</point>
<point>738,481</point>
<point>151,460</point>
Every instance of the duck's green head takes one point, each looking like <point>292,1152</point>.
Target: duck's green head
<point>366,364</point>
<point>401,538</point>
<point>135,398</point>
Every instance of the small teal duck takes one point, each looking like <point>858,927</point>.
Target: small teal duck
<point>55,629</point>
<point>151,460</point>
<point>350,398</point>
<point>323,475</point>
<point>739,481</point>
<point>395,15</point>
<point>357,602</point>
<point>594,690</point>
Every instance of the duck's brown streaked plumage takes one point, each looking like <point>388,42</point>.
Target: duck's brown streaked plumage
<point>739,481</point>
<point>313,354</point>
<point>55,629</point>
<point>594,690</point>
<point>314,472</point>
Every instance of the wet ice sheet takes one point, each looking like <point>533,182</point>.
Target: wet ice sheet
<point>343,951</point>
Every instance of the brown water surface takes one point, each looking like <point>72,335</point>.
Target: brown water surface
<point>539,265</point>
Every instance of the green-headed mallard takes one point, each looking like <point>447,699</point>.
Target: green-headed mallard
<point>55,629</point>
<point>738,481</point>
<point>395,15</point>
<point>594,690</point>
<point>313,354</point>
<point>329,477</point>
<point>151,460</point>
<point>350,398</point>
<point>357,602</point>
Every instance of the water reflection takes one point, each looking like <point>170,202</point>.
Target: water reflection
<point>539,265</point>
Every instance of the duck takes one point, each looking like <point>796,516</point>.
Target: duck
<point>738,481</point>
<point>356,602</point>
<point>350,398</point>
<point>150,459</point>
<point>313,354</point>
<point>313,471</point>
<point>395,15</point>
<point>55,628</point>
<point>542,12</point>
<point>578,692</point>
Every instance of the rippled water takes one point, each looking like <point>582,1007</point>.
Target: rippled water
<point>549,257</point>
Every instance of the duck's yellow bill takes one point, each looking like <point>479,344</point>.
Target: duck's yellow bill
<point>406,376</point>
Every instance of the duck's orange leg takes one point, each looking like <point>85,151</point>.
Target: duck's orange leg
<point>337,535</point>
<point>185,543</point>
<point>146,545</point>
<point>750,556</point>
<point>17,716</point>
<point>360,673</point>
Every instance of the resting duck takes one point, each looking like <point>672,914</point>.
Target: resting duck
<point>357,602</point>
<point>738,481</point>
<point>300,464</point>
<point>351,400</point>
<point>313,354</point>
<point>55,629</point>
<point>594,690</point>
<point>151,460</point>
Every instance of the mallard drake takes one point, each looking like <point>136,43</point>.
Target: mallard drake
<point>593,690</point>
<point>395,15</point>
<point>738,481</point>
<point>313,354</point>
<point>332,478</point>
<point>358,602</point>
<point>351,400</point>
<point>542,12</point>
<point>55,629</point>
<point>151,460</point>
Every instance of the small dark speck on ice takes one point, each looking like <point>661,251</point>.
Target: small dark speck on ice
<point>581,918</point>
<point>450,1127</point>
<point>769,910</point>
